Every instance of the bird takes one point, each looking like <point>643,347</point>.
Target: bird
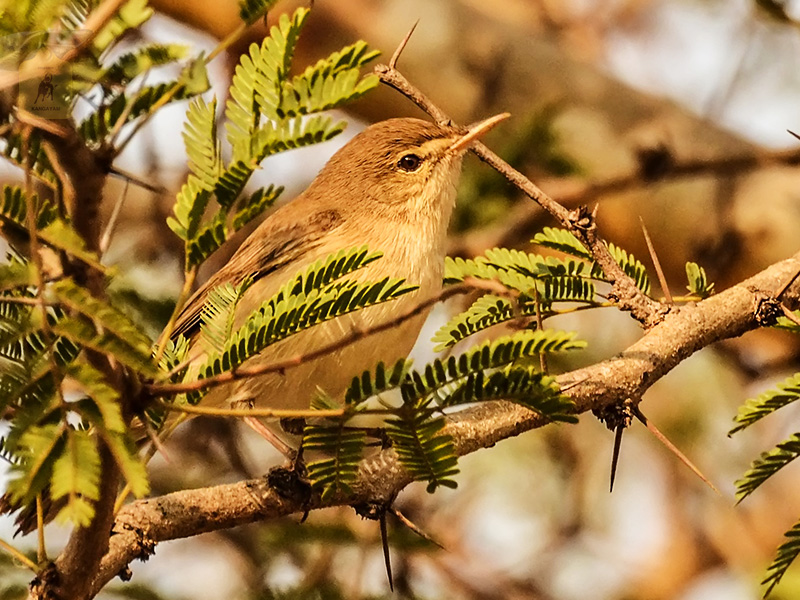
<point>392,187</point>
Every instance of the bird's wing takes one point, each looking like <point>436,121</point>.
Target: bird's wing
<point>267,250</point>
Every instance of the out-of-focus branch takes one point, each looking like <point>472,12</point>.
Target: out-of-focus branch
<point>526,217</point>
<point>50,62</point>
<point>82,173</point>
<point>140,526</point>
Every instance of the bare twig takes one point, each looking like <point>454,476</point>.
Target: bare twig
<point>401,46</point>
<point>786,284</point>
<point>41,544</point>
<point>790,315</point>
<point>251,412</point>
<point>105,240</point>
<point>17,555</point>
<point>624,289</point>
<point>50,62</point>
<point>526,216</point>
<point>671,447</point>
<point>130,177</point>
<point>662,280</point>
<point>171,389</point>
<point>414,527</point>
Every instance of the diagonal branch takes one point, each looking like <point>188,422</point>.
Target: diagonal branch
<point>470,285</point>
<point>683,331</point>
<point>579,221</point>
<point>48,62</point>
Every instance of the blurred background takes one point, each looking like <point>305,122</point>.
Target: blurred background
<point>672,111</point>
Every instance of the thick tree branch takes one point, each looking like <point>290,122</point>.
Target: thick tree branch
<point>683,331</point>
<point>83,174</point>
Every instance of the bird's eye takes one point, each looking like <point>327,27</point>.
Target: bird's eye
<point>409,162</point>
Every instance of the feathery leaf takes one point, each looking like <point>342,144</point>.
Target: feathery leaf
<point>341,446</point>
<point>561,240</point>
<point>766,465</point>
<point>439,375</point>
<point>698,281</point>
<point>251,11</point>
<point>784,556</point>
<point>425,452</point>
<point>767,403</point>
<point>369,384</point>
<point>525,386</point>
<point>76,477</point>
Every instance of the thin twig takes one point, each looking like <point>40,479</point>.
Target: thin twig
<point>18,555</point>
<point>171,389</point>
<point>188,283</point>
<point>662,280</point>
<point>401,46</point>
<point>790,315</point>
<point>127,176</point>
<point>41,547</point>
<point>126,112</point>
<point>47,62</point>
<point>525,216</point>
<point>252,412</point>
<point>671,447</point>
<point>414,527</point>
<point>48,125</point>
<point>785,286</point>
<point>105,239</point>
<point>630,297</point>
<point>30,221</point>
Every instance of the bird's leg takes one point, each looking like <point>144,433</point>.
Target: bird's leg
<point>270,436</point>
<point>261,429</point>
<point>289,482</point>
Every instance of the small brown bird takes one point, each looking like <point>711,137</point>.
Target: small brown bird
<point>391,188</point>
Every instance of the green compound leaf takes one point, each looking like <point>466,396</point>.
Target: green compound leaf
<point>698,281</point>
<point>383,379</point>
<point>37,449</point>
<point>76,477</point>
<point>251,11</point>
<point>203,149</point>
<point>334,474</point>
<point>767,403</point>
<point>425,452</point>
<point>767,465</point>
<point>784,556</point>
<point>561,240</point>
<point>439,374</point>
<point>525,386</point>
<point>132,64</point>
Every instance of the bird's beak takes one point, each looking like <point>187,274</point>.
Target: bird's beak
<point>476,131</point>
